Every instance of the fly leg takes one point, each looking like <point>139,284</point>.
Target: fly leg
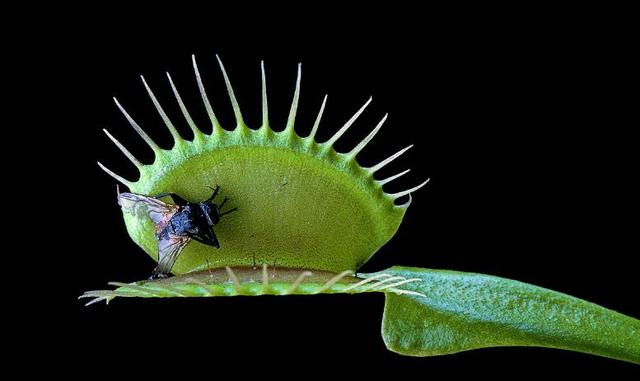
<point>228,211</point>
<point>177,199</point>
<point>214,194</point>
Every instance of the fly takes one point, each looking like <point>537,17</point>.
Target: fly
<point>176,224</point>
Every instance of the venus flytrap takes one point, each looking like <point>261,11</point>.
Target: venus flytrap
<point>320,238</point>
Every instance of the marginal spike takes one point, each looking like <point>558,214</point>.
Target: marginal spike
<point>391,178</point>
<point>333,281</point>
<point>365,281</point>
<point>139,288</point>
<point>406,204</point>
<point>346,126</point>
<point>265,106</point>
<point>406,192</point>
<point>122,148</point>
<point>298,281</point>
<point>97,299</point>
<point>95,294</point>
<point>294,103</point>
<point>118,178</point>
<point>183,108</point>
<point>354,152</point>
<point>265,278</point>
<point>312,134</point>
<point>388,160</point>
<point>232,96</point>
<point>163,115</point>
<point>394,285</point>
<point>234,279</point>
<point>120,284</point>
<point>382,282</point>
<point>203,94</point>
<point>138,129</point>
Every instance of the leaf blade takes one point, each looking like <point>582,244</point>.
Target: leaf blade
<point>465,311</point>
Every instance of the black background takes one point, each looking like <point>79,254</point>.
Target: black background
<point>520,122</point>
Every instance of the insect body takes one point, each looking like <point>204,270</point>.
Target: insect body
<point>177,224</point>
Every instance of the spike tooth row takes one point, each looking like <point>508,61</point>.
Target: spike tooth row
<point>265,121</point>
<point>378,282</point>
<point>176,136</point>
<point>316,124</point>
<point>232,95</point>
<point>203,93</point>
<point>345,127</point>
<point>294,103</point>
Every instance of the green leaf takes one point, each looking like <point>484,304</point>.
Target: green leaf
<point>300,202</point>
<point>464,311</point>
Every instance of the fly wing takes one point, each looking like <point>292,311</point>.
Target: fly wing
<point>169,249</point>
<point>141,206</point>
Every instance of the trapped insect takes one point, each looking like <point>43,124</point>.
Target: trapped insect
<point>176,225</point>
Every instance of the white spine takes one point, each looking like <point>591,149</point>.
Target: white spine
<point>346,126</point>
<point>294,103</point>
<point>203,94</point>
<point>354,152</point>
<point>232,95</point>
<point>163,115</point>
<point>138,129</point>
